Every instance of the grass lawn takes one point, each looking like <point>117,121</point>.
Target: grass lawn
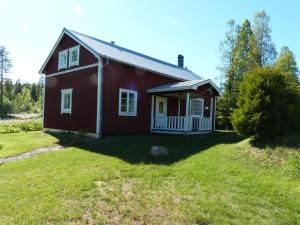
<point>211,179</point>
<point>16,143</point>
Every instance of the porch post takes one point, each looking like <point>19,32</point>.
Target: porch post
<point>186,124</point>
<point>152,112</point>
<point>178,111</point>
<point>210,114</point>
<point>215,112</point>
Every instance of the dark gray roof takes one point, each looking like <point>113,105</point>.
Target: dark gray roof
<point>114,52</point>
<point>186,85</point>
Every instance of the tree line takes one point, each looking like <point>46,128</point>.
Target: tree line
<point>250,65</point>
<point>17,97</point>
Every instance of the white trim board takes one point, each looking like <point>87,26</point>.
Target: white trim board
<point>72,70</point>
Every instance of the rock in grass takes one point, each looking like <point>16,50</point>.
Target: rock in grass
<point>157,151</point>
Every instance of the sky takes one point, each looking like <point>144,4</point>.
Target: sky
<point>159,28</point>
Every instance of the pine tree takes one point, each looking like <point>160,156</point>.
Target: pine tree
<point>286,63</point>
<point>244,58</point>
<point>5,66</point>
<point>262,32</point>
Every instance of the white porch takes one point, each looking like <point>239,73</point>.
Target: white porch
<point>195,103</point>
<point>191,121</point>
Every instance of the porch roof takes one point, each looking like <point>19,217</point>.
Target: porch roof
<point>182,86</point>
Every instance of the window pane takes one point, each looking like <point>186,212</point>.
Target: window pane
<point>124,95</point>
<point>131,105</point>
<point>161,107</point>
<point>74,56</point>
<point>63,59</point>
<point>123,105</point>
<point>67,101</point>
<point>123,108</point>
<point>196,107</point>
<point>131,96</point>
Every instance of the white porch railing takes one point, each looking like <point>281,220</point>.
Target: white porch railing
<point>177,123</point>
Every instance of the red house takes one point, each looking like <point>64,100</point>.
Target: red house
<point>103,89</point>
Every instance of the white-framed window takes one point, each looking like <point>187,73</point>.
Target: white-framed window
<point>197,107</point>
<point>74,56</point>
<point>66,101</point>
<point>63,59</point>
<point>127,102</point>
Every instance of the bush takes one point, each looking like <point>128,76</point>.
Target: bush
<point>5,129</point>
<point>33,125</point>
<point>268,105</point>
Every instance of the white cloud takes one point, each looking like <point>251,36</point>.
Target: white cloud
<point>77,10</point>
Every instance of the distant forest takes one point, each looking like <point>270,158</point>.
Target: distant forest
<point>22,97</point>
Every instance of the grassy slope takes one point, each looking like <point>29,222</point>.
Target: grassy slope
<point>16,143</point>
<point>206,179</point>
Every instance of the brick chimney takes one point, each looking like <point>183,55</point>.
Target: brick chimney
<point>180,61</point>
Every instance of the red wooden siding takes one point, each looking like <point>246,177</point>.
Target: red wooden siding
<point>116,76</point>
<point>85,57</point>
<point>84,101</point>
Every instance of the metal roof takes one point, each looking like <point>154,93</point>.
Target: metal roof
<point>186,85</point>
<point>120,54</point>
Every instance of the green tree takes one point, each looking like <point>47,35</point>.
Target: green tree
<point>9,89</point>
<point>244,57</point>
<point>268,105</point>
<point>5,66</point>
<point>262,32</point>
<point>23,102</point>
<point>286,62</point>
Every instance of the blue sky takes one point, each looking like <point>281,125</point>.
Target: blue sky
<point>158,28</point>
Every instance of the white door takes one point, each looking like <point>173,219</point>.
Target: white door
<point>161,108</point>
<point>196,106</point>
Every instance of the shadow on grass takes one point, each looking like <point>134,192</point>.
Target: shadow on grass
<point>291,141</point>
<point>135,148</point>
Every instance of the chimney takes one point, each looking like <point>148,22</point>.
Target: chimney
<point>180,60</point>
<point>112,42</point>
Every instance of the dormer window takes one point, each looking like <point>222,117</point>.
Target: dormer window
<point>74,56</point>
<point>63,59</point>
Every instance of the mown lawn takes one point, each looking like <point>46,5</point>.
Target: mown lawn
<point>16,143</point>
<point>211,179</point>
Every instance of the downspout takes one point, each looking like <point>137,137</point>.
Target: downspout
<point>44,94</point>
<point>99,97</point>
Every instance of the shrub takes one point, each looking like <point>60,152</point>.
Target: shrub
<point>268,104</point>
<point>33,125</point>
<point>5,129</point>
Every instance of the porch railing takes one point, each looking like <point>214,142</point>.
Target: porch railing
<point>178,123</point>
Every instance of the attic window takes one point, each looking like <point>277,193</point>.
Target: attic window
<point>63,59</point>
<point>74,56</point>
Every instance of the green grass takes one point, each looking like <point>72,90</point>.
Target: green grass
<point>209,179</point>
<point>16,143</point>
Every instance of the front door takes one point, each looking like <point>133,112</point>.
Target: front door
<point>161,108</point>
<point>196,107</point>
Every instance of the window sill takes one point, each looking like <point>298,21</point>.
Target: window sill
<point>127,114</point>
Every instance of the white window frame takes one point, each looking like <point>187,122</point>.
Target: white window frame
<point>202,102</point>
<point>76,48</point>
<point>64,52</point>
<point>63,92</point>
<point>127,113</point>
